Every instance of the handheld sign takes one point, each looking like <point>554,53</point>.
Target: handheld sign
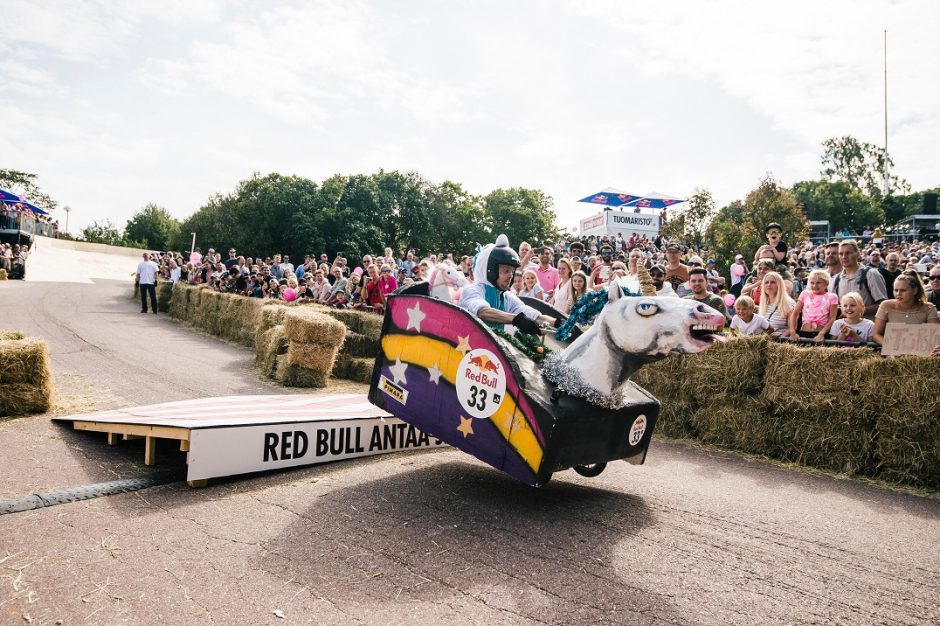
<point>910,339</point>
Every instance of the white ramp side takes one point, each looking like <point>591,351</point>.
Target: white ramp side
<point>235,435</point>
<point>63,261</point>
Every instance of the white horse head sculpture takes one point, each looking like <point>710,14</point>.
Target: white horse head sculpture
<point>445,281</point>
<point>629,332</point>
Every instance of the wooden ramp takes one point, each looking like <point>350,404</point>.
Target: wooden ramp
<point>241,434</point>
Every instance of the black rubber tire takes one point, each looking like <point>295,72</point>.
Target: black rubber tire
<point>590,471</point>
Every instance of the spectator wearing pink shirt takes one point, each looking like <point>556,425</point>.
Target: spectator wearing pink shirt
<point>818,308</point>
<point>387,280</point>
<point>547,275</point>
<point>738,272</point>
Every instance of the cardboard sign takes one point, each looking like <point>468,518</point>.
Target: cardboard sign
<point>910,339</point>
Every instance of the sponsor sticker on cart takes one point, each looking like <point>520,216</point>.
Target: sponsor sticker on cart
<point>481,383</point>
<point>637,430</point>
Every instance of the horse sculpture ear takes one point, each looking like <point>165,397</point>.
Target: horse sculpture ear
<point>613,291</point>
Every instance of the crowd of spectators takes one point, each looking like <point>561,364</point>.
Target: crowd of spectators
<point>816,292</point>
<point>13,259</point>
<point>14,216</point>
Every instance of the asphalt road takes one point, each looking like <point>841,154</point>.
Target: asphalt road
<point>692,537</point>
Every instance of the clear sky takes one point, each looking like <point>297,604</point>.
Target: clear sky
<point>119,103</point>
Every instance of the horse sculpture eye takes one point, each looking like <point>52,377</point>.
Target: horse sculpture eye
<point>647,308</point>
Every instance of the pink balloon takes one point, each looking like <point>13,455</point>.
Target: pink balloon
<point>730,299</point>
<point>290,295</point>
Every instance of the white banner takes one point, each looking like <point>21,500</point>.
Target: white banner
<point>613,222</point>
<point>215,452</point>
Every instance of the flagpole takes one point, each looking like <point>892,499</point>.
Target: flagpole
<point>886,109</point>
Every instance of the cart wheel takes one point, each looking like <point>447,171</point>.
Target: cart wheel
<point>590,471</point>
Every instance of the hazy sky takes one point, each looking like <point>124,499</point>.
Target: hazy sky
<point>119,103</point>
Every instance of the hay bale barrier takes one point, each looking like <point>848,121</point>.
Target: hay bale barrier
<point>814,394</point>
<point>314,341</point>
<point>25,377</point>
<point>3,274</point>
<point>907,418</point>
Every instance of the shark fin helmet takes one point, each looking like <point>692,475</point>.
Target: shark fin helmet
<point>501,254</point>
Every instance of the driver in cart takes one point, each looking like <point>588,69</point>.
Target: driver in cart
<point>488,297</point>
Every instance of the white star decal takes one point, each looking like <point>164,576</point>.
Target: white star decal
<point>415,317</point>
<point>398,371</point>
<point>435,373</point>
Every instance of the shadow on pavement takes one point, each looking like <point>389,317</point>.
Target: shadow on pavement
<point>457,532</point>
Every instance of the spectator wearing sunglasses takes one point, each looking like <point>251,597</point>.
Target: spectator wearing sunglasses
<point>933,297</point>
<point>387,280</point>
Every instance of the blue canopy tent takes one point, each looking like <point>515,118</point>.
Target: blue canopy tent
<point>6,196</point>
<point>610,197</point>
<point>653,200</point>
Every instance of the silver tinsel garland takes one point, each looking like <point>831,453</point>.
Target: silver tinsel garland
<point>569,380</point>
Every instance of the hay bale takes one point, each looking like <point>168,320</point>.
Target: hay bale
<point>25,378</point>
<point>179,301</point>
<point>3,274</point>
<point>272,344</point>
<point>24,361</point>
<point>307,325</point>
<point>164,296</point>
<point>6,335</point>
<point>725,372</point>
<point>298,376</point>
<point>312,356</point>
<point>353,368</point>
<point>356,345</point>
<point>806,378</point>
<point>906,426</point>
<point>271,315</point>
<point>674,419</point>
<point>25,398</point>
<point>739,424</point>
<point>663,378</point>
<point>362,322</point>
<point>243,315</point>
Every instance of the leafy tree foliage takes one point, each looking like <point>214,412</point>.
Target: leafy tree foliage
<point>843,205</point>
<point>153,226</point>
<point>24,185</point>
<point>862,165</point>
<point>361,214</point>
<point>107,233</point>
<point>739,227</point>
<point>692,223</point>
<point>522,214</point>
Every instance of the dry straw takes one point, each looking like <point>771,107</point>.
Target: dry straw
<point>297,376</point>
<point>360,346</point>
<point>740,424</point>
<point>725,372</point>
<point>312,356</point>
<point>307,325</point>
<point>25,378</point>
<point>814,393</point>
<point>3,274</point>
<point>272,344</point>
<point>902,396</point>
<point>353,368</point>
<point>164,296</point>
<point>6,335</point>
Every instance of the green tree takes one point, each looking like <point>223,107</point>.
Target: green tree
<point>108,233</point>
<point>739,227</point>
<point>154,226</point>
<point>862,165</point>
<point>522,214</point>
<point>691,225</point>
<point>843,205</point>
<point>454,220</point>
<point>206,223</point>
<point>24,185</point>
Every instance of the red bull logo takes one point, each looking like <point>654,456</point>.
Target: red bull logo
<point>483,363</point>
<point>599,198</point>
